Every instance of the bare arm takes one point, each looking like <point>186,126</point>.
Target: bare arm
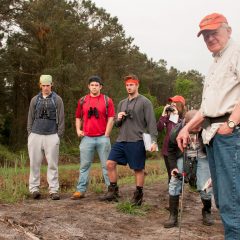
<point>183,136</point>
<point>80,133</point>
<point>109,126</point>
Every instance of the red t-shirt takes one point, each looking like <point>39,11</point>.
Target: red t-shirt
<point>94,126</point>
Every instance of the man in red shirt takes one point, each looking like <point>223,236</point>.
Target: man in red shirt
<point>94,122</point>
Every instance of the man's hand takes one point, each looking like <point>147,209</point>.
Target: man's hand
<point>224,129</point>
<point>80,133</point>
<point>153,147</point>
<point>120,115</point>
<point>174,172</point>
<point>182,138</point>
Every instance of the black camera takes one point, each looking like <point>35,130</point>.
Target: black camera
<point>170,109</point>
<point>93,112</point>
<point>129,114</point>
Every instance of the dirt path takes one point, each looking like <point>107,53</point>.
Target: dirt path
<point>90,219</point>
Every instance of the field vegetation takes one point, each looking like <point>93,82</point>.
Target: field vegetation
<point>14,180</point>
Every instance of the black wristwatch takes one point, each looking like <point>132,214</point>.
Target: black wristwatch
<point>231,124</point>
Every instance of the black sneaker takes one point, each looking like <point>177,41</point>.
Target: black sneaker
<point>137,198</point>
<point>36,195</point>
<point>55,196</point>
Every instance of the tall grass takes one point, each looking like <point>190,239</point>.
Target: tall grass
<point>14,180</point>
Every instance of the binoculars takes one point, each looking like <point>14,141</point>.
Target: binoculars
<point>93,112</point>
<point>44,113</point>
<point>129,114</point>
<point>170,109</point>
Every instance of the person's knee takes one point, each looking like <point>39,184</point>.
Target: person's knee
<point>111,165</point>
<point>139,171</point>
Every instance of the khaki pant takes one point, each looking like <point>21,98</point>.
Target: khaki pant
<point>38,146</point>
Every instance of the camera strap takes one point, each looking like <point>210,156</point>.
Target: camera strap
<point>128,102</point>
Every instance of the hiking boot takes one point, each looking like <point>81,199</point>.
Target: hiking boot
<point>206,213</point>
<point>137,198</point>
<point>207,218</point>
<point>54,196</point>
<point>36,195</point>
<point>111,195</point>
<point>173,208</point>
<point>77,195</point>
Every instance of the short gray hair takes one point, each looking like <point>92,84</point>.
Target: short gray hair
<point>225,25</point>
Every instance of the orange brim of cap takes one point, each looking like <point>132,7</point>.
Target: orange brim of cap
<point>131,81</point>
<point>209,27</point>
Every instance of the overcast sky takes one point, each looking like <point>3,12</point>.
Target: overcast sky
<point>167,29</point>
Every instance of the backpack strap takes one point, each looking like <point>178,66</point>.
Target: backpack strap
<point>81,101</point>
<point>54,102</point>
<point>106,99</point>
<point>37,101</point>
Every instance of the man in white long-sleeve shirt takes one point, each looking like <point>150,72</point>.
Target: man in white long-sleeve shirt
<point>220,115</point>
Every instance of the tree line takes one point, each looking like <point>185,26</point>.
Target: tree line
<point>72,40</point>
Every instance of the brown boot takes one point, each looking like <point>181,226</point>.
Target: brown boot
<point>111,195</point>
<point>137,198</point>
<point>173,208</point>
<point>206,213</point>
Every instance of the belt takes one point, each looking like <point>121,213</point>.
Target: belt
<point>223,118</point>
<point>209,120</point>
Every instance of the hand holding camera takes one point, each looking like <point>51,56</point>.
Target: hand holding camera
<point>124,115</point>
<point>121,115</point>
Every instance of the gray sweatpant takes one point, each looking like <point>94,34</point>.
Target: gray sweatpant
<point>38,146</point>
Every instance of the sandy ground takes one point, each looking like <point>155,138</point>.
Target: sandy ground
<point>91,219</point>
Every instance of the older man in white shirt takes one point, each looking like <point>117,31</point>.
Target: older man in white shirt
<point>220,115</point>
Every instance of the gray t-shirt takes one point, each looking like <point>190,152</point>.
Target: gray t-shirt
<point>140,120</point>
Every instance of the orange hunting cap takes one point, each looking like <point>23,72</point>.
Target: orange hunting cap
<point>177,98</point>
<point>211,22</point>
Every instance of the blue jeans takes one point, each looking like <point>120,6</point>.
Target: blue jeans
<point>88,146</point>
<point>203,174</point>
<point>224,161</point>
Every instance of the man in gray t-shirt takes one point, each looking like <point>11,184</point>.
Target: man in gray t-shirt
<point>135,116</point>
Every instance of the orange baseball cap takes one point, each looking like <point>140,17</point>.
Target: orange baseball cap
<point>177,98</point>
<point>211,22</point>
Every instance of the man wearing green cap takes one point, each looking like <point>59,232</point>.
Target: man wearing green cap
<point>45,127</point>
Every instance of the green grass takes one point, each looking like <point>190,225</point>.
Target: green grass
<point>14,180</point>
<point>127,208</point>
